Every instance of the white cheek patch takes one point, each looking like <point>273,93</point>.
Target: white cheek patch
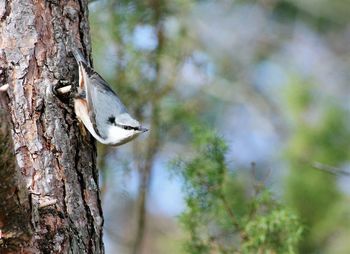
<point>121,136</point>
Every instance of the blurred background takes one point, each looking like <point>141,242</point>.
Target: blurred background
<point>248,110</point>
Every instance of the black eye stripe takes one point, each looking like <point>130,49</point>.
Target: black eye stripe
<point>129,127</point>
<point>111,120</point>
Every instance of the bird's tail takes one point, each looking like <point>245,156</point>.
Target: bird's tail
<point>78,55</point>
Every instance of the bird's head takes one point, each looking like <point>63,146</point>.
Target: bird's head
<point>123,129</point>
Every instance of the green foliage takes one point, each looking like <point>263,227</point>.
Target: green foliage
<point>267,232</point>
<point>223,212</point>
<point>320,135</point>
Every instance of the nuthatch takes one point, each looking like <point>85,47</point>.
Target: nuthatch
<point>100,109</point>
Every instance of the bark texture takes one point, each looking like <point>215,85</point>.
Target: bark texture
<point>49,199</point>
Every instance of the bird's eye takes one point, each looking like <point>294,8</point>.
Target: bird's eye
<point>111,120</point>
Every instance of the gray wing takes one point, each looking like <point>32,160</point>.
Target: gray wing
<point>105,106</point>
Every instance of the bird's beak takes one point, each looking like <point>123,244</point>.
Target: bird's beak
<point>143,129</point>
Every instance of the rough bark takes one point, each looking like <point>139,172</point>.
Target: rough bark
<point>49,200</point>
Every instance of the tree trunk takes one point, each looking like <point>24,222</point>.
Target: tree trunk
<point>49,199</point>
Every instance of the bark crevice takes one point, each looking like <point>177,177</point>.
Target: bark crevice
<point>6,10</point>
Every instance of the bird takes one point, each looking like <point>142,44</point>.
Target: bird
<point>99,108</point>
